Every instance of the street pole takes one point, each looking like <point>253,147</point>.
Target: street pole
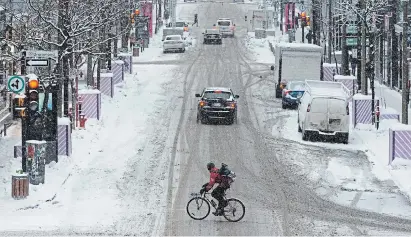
<point>394,46</point>
<point>358,60</point>
<point>330,36</point>
<point>364,84</point>
<point>405,72</point>
<point>345,66</point>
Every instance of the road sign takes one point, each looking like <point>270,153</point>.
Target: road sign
<point>351,29</point>
<point>37,62</point>
<point>351,41</point>
<point>16,84</point>
<point>41,54</point>
<point>302,7</point>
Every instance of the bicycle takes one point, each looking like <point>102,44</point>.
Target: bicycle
<point>199,200</point>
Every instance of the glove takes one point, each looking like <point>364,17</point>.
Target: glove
<point>202,191</point>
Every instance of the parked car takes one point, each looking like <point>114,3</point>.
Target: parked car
<point>212,36</point>
<point>174,43</point>
<point>324,111</point>
<point>292,93</point>
<point>226,27</point>
<point>217,103</point>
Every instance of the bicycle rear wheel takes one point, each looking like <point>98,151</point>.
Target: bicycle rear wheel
<point>198,204</point>
<point>234,211</point>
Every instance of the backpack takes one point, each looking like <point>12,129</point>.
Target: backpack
<point>225,172</point>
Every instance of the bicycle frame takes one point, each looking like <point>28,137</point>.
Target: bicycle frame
<point>207,197</point>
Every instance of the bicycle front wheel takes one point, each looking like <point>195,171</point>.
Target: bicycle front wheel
<point>234,211</point>
<point>198,208</point>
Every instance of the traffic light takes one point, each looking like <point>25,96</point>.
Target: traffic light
<point>19,107</point>
<point>303,19</point>
<point>33,95</point>
<point>136,12</point>
<point>308,20</point>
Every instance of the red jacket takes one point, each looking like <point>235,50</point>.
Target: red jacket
<point>215,177</point>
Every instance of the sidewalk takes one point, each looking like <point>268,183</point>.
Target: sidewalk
<point>391,98</point>
<point>376,142</point>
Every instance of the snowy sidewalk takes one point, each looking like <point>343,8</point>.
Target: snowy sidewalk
<point>117,175</point>
<point>391,98</point>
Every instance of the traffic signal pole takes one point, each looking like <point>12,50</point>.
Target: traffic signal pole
<point>24,118</point>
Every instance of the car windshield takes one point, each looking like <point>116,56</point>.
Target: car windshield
<point>224,23</point>
<point>296,86</point>
<point>217,94</point>
<point>173,38</point>
<point>180,24</point>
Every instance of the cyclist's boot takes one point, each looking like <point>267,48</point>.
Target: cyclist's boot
<point>218,212</point>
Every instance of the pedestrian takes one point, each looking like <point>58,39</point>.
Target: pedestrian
<point>353,64</point>
<point>309,36</point>
<point>195,20</point>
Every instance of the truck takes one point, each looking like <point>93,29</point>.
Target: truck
<point>296,62</point>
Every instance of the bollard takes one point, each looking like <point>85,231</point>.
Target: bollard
<point>19,186</point>
<point>136,51</point>
<point>5,130</point>
<point>83,120</point>
<point>36,161</point>
<point>79,109</point>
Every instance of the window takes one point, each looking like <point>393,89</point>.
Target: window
<point>223,23</point>
<point>217,94</point>
<point>337,106</point>
<point>319,105</point>
<point>296,86</point>
<point>173,38</point>
<point>180,24</point>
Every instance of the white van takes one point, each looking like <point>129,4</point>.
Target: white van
<point>226,27</point>
<point>323,111</point>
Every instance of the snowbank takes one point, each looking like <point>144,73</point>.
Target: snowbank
<point>260,48</point>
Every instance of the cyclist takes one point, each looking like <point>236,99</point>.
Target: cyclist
<point>219,191</point>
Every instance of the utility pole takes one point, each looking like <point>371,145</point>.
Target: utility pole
<point>330,36</point>
<point>394,46</point>
<point>364,84</point>
<point>345,66</point>
<point>371,70</point>
<point>405,72</point>
<point>358,60</point>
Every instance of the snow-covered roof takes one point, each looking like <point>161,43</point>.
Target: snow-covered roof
<point>88,91</point>
<point>63,121</point>
<point>341,77</point>
<point>330,65</point>
<point>173,36</point>
<point>299,46</point>
<point>363,97</point>
<point>218,89</point>
<point>326,88</point>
